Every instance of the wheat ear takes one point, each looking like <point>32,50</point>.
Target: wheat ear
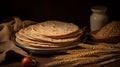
<point>97,47</point>
<point>109,45</point>
<point>117,46</point>
<point>68,61</point>
<point>76,51</point>
<point>82,54</point>
<point>89,50</point>
<point>108,61</point>
<point>101,58</point>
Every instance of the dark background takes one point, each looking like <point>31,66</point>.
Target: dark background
<point>76,11</point>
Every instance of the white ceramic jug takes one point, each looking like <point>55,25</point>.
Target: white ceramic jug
<point>98,17</point>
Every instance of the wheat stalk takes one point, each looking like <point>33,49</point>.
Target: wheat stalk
<point>99,59</point>
<point>117,45</point>
<point>81,54</point>
<point>83,62</point>
<point>76,51</point>
<point>109,45</point>
<point>108,61</point>
<point>87,53</point>
<point>97,47</point>
<point>68,61</point>
<point>93,54</point>
<point>89,50</point>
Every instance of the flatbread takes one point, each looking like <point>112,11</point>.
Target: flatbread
<point>27,32</point>
<point>55,28</point>
<point>49,34</point>
<point>38,45</point>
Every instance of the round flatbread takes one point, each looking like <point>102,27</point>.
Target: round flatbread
<point>32,44</point>
<point>55,29</point>
<point>38,45</point>
<point>58,37</point>
<point>49,34</point>
<point>25,39</point>
<point>29,33</point>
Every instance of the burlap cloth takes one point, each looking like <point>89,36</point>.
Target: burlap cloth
<point>6,29</point>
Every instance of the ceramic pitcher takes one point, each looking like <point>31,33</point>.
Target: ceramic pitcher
<point>98,17</point>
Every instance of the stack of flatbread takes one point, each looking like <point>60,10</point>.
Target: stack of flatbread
<point>49,34</point>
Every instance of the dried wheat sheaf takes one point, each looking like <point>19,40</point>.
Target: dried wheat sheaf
<point>100,53</point>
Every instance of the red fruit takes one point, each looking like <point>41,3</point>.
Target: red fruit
<point>27,62</point>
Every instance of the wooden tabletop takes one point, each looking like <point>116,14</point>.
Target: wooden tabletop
<point>42,60</point>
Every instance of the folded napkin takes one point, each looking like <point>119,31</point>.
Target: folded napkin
<point>6,29</point>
